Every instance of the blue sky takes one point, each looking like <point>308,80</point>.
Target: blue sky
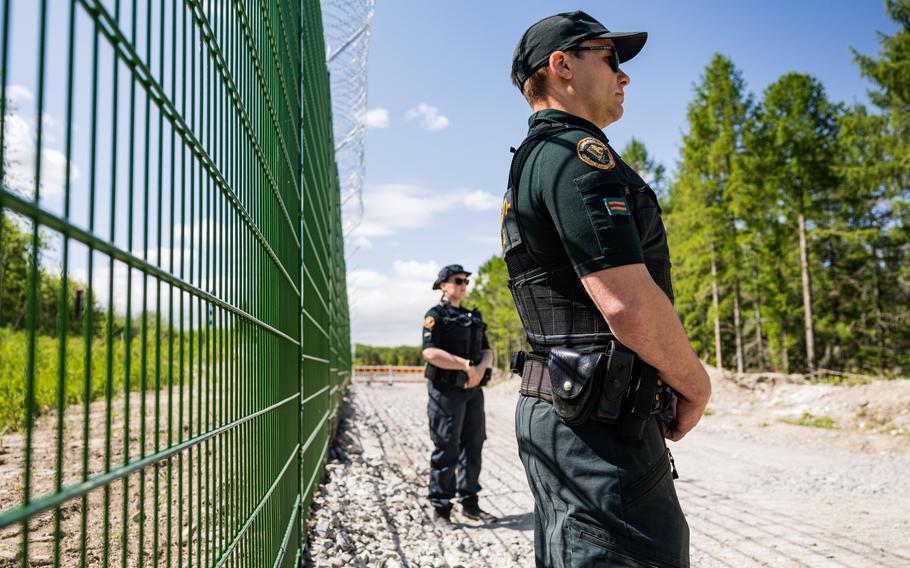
<point>444,115</point>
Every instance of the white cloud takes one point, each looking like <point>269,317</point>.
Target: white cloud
<point>480,200</point>
<point>428,117</point>
<point>376,118</point>
<point>18,94</point>
<point>20,140</point>
<point>486,239</point>
<point>387,309</point>
<point>363,242</point>
<point>391,207</point>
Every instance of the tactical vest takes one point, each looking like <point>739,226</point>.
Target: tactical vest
<point>554,308</point>
<point>462,332</point>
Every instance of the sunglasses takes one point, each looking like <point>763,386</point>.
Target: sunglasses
<point>460,281</point>
<point>613,60</point>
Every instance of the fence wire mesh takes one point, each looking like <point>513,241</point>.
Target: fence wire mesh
<point>174,332</point>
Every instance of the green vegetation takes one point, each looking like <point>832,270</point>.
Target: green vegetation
<point>15,265</point>
<point>490,294</point>
<point>14,357</point>
<point>840,379</point>
<point>802,206</point>
<point>789,223</point>
<point>811,421</point>
<point>400,355</point>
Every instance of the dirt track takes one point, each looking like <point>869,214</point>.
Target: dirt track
<point>756,492</point>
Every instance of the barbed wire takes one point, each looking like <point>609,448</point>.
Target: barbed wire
<point>347,39</point>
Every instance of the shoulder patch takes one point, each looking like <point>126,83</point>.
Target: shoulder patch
<point>595,153</point>
<point>617,206</point>
<point>429,322</point>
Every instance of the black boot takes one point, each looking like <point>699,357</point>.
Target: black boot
<point>442,515</point>
<point>472,510</point>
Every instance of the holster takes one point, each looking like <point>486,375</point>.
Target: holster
<point>616,383</point>
<point>614,387</point>
<point>642,400</point>
<point>576,380</point>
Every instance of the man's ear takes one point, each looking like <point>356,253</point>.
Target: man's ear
<point>559,65</point>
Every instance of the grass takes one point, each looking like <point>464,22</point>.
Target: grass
<point>811,421</point>
<point>837,379</point>
<point>14,365</point>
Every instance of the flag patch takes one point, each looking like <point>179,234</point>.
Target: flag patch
<point>616,206</point>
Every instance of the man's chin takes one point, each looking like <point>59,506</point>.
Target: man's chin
<point>614,115</point>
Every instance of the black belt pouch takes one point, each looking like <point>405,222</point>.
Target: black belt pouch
<point>615,383</point>
<point>576,382</point>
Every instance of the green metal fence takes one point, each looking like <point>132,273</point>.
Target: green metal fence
<point>174,334</point>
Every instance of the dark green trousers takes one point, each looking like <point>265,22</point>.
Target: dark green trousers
<point>599,500</point>
<point>458,430</point>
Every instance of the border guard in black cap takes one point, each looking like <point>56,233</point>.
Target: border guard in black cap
<point>459,361</point>
<point>610,373</point>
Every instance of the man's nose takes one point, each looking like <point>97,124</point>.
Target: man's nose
<point>623,78</point>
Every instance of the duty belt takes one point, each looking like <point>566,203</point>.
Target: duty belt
<point>535,379</point>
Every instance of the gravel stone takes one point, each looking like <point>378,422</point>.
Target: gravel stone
<point>756,492</point>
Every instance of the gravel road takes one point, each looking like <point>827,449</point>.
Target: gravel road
<point>755,493</point>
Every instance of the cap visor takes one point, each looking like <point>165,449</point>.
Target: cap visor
<point>628,44</point>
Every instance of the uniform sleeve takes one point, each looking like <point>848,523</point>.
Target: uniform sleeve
<point>588,206</point>
<point>431,334</point>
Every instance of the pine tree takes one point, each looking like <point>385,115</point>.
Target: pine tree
<point>702,217</point>
<point>887,143</point>
<point>793,146</point>
<point>636,156</point>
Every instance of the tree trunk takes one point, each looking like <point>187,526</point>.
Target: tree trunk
<point>736,327</point>
<point>758,334</point>
<point>737,320</point>
<point>718,354</point>
<point>784,320</point>
<point>807,291</point>
<point>879,319</point>
<point>784,356</point>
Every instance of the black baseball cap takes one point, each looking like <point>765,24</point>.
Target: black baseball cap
<point>447,272</point>
<point>562,31</point>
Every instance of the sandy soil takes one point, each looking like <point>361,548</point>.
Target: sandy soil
<point>197,479</point>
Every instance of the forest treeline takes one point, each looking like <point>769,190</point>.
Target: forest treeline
<point>51,292</point>
<point>398,355</point>
<point>788,218</point>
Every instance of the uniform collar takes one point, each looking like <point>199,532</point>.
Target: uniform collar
<point>552,115</point>
<point>445,304</point>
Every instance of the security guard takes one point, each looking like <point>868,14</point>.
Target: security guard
<point>589,272</point>
<point>458,359</point>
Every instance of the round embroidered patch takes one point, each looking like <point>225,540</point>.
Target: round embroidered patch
<point>429,322</point>
<point>595,153</point>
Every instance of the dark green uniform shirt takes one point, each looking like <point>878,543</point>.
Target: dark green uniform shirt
<point>577,206</point>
